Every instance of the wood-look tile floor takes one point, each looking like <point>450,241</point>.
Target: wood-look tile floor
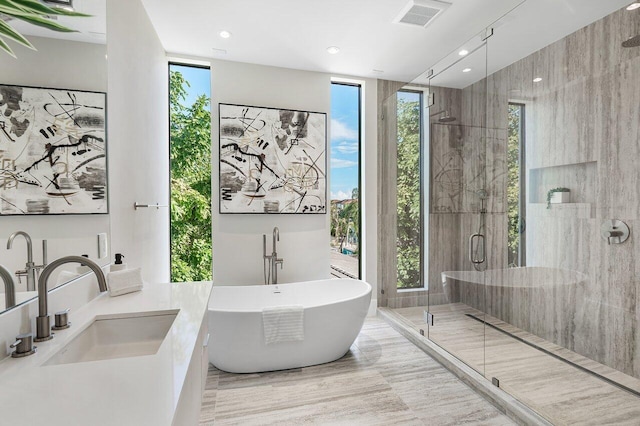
<point>560,392</point>
<point>383,380</point>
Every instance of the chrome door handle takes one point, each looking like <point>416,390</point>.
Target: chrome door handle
<point>481,239</point>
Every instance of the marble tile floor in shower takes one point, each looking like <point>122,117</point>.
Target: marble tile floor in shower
<point>558,391</point>
<point>383,380</point>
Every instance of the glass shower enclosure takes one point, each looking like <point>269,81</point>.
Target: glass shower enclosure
<point>531,172</point>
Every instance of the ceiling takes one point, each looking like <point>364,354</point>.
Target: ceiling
<point>91,29</point>
<point>296,34</point>
<point>526,29</point>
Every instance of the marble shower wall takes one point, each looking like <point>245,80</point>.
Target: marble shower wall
<point>582,131</point>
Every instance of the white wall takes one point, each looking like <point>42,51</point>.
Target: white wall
<point>304,240</point>
<point>64,65</point>
<point>138,139</point>
<point>237,239</point>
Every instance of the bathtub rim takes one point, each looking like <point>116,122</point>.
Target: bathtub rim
<point>368,291</point>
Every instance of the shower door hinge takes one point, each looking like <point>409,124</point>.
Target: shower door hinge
<point>421,332</point>
<point>382,291</point>
<point>429,73</point>
<point>495,382</point>
<point>428,318</point>
<point>432,99</point>
<point>486,34</point>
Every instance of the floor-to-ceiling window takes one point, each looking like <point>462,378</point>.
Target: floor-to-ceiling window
<point>409,194</point>
<point>516,186</point>
<point>190,154</point>
<point>345,180</point>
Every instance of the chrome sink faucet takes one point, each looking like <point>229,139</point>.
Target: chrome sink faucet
<point>43,324</point>
<point>274,261</point>
<point>31,269</point>
<point>9,288</point>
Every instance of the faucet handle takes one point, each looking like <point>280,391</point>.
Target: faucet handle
<point>24,346</point>
<point>61,320</point>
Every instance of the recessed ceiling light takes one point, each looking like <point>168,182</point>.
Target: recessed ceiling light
<point>537,79</point>
<point>333,49</point>
<point>463,52</point>
<point>225,34</point>
<point>633,6</point>
<point>466,70</point>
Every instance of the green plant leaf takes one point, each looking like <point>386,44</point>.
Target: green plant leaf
<point>4,46</point>
<point>8,32</point>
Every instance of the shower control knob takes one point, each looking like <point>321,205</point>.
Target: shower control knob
<point>614,231</point>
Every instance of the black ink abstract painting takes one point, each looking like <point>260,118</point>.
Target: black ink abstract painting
<point>52,151</point>
<point>272,160</point>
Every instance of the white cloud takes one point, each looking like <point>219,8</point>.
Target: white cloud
<point>340,195</point>
<point>339,130</point>
<point>345,147</point>
<point>337,163</point>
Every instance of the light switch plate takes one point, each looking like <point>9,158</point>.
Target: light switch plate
<point>102,245</point>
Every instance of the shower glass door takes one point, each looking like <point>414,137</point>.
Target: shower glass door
<point>462,201</point>
<point>563,304</point>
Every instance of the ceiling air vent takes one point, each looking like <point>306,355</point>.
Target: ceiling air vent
<point>421,12</point>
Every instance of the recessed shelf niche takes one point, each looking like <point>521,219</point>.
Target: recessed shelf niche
<point>580,178</point>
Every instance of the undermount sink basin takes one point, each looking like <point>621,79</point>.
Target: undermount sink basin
<point>117,337</point>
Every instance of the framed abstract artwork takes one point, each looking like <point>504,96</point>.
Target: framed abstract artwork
<point>272,160</point>
<point>53,151</point>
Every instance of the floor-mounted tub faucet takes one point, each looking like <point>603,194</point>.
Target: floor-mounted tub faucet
<point>31,269</point>
<point>43,324</point>
<point>271,277</point>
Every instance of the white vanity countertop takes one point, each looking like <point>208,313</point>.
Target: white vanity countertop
<point>142,390</point>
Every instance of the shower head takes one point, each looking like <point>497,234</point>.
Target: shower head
<point>446,118</point>
<point>632,42</point>
<point>482,194</point>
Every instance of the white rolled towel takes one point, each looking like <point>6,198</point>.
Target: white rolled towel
<point>283,324</point>
<point>125,281</point>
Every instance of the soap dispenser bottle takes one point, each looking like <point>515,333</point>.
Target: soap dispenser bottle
<point>118,265</point>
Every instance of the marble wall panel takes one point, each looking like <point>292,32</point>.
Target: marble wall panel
<point>582,131</point>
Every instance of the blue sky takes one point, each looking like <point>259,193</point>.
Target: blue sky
<point>344,154</point>
<point>198,78</point>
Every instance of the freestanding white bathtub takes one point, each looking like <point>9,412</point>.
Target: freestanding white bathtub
<point>334,311</point>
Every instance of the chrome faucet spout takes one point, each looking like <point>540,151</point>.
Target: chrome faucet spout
<point>9,287</point>
<point>43,328</point>
<point>27,238</point>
